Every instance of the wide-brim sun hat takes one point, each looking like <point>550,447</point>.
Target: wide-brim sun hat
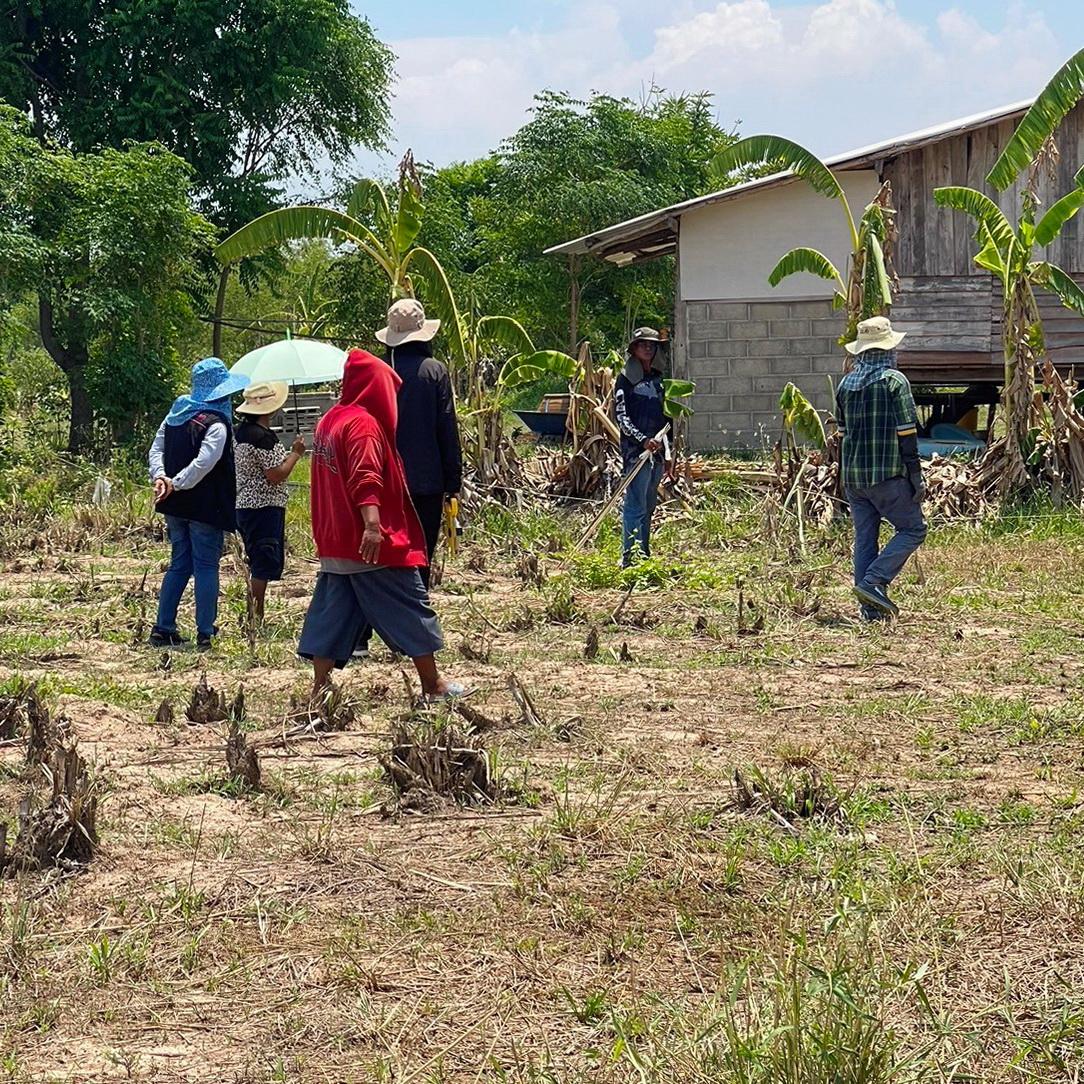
<point>266,397</point>
<point>875,334</point>
<point>645,335</point>
<point>211,381</point>
<point>407,324</point>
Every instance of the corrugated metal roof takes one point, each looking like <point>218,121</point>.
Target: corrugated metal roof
<point>655,233</point>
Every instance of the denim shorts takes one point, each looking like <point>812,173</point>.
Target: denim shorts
<point>392,600</point>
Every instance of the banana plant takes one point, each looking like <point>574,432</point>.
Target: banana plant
<point>529,368</point>
<point>866,287</point>
<point>1009,253</point>
<point>386,234</point>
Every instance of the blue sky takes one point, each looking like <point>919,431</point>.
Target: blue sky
<point>833,74</point>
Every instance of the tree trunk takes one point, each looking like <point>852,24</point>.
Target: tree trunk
<point>81,425</point>
<point>72,362</point>
<point>220,308</point>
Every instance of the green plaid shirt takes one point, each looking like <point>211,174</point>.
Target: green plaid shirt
<point>874,408</point>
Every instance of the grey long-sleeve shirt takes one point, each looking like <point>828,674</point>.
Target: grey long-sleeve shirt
<point>210,452</point>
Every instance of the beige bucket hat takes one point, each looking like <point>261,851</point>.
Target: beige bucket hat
<point>407,324</point>
<point>875,334</point>
<point>267,397</point>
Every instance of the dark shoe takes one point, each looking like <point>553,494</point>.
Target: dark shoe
<point>870,616</point>
<point>160,638</point>
<point>204,642</point>
<point>874,595</point>
<point>360,653</point>
<point>626,560</point>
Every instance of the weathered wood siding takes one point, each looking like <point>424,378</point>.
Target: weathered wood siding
<point>951,307</point>
<point>936,241</point>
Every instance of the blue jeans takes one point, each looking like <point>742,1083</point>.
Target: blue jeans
<point>640,500</point>
<point>197,550</point>
<point>893,500</point>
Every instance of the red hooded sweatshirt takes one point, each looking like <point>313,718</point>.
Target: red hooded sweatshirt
<point>355,463</point>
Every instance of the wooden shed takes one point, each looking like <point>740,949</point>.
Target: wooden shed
<point>742,341</point>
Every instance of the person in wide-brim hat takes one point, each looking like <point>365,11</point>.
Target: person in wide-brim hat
<point>192,467</point>
<point>876,333</point>
<point>407,324</point>
<point>639,401</point>
<point>427,432</point>
<point>879,464</point>
<point>263,468</point>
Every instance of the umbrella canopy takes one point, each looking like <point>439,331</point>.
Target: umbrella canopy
<point>295,361</point>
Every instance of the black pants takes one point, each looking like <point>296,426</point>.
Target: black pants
<point>430,509</point>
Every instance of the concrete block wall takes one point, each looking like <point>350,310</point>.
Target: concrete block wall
<point>742,353</point>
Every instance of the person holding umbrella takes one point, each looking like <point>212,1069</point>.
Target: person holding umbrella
<point>263,467</point>
<point>192,468</point>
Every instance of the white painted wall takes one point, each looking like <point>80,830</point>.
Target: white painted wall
<point>728,249</point>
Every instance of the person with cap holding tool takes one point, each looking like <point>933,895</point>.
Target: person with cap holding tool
<point>639,399</point>
<point>192,468</point>
<point>881,472</point>
<point>263,467</point>
<point>428,433</point>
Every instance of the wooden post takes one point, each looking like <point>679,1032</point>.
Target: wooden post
<point>220,306</point>
<point>574,304</point>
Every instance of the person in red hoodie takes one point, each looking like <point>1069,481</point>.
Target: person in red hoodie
<point>368,537</point>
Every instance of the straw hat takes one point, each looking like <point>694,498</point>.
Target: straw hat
<point>267,397</point>
<point>407,324</point>
<point>875,334</point>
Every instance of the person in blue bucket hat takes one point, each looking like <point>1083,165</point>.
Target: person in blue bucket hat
<point>191,466</point>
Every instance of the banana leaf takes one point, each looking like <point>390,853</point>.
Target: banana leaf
<point>810,261</point>
<point>1056,100</point>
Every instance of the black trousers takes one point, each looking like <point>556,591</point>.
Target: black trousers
<point>430,509</point>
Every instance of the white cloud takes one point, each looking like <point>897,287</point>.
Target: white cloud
<point>833,74</point>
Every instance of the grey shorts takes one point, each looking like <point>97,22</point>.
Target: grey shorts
<point>392,600</point>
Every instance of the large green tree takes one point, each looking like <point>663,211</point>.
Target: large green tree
<point>575,167</point>
<point>248,92</point>
<point>107,243</point>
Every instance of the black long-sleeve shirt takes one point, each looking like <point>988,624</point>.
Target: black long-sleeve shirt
<point>428,432</point>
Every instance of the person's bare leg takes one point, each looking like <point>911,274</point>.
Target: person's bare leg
<point>432,683</point>
<point>321,671</point>
<point>259,596</point>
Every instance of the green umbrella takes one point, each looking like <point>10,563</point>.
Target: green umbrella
<point>293,361</point>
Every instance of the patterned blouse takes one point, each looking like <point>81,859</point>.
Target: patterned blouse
<point>258,449</point>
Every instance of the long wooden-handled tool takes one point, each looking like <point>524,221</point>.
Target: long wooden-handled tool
<point>617,494</point>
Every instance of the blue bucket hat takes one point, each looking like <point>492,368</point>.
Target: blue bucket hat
<point>212,386</point>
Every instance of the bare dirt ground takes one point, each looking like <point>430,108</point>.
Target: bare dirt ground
<point>591,925</point>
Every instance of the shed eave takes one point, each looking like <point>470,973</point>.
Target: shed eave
<point>625,233</point>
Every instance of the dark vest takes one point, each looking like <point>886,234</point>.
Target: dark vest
<point>213,500</point>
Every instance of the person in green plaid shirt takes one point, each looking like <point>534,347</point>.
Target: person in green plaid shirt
<point>882,475</point>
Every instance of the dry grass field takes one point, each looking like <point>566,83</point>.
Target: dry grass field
<point>892,890</point>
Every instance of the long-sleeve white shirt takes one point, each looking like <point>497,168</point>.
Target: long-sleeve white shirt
<point>210,452</point>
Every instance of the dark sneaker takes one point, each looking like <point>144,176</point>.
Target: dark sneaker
<point>360,653</point>
<point>870,616</point>
<point>161,638</point>
<point>204,642</point>
<point>626,560</point>
<point>875,596</point>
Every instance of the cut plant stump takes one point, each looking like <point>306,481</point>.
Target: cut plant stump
<point>19,708</point>
<point>63,833</point>
<point>429,766</point>
<point>206,705</point>
<point>241,758</point>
